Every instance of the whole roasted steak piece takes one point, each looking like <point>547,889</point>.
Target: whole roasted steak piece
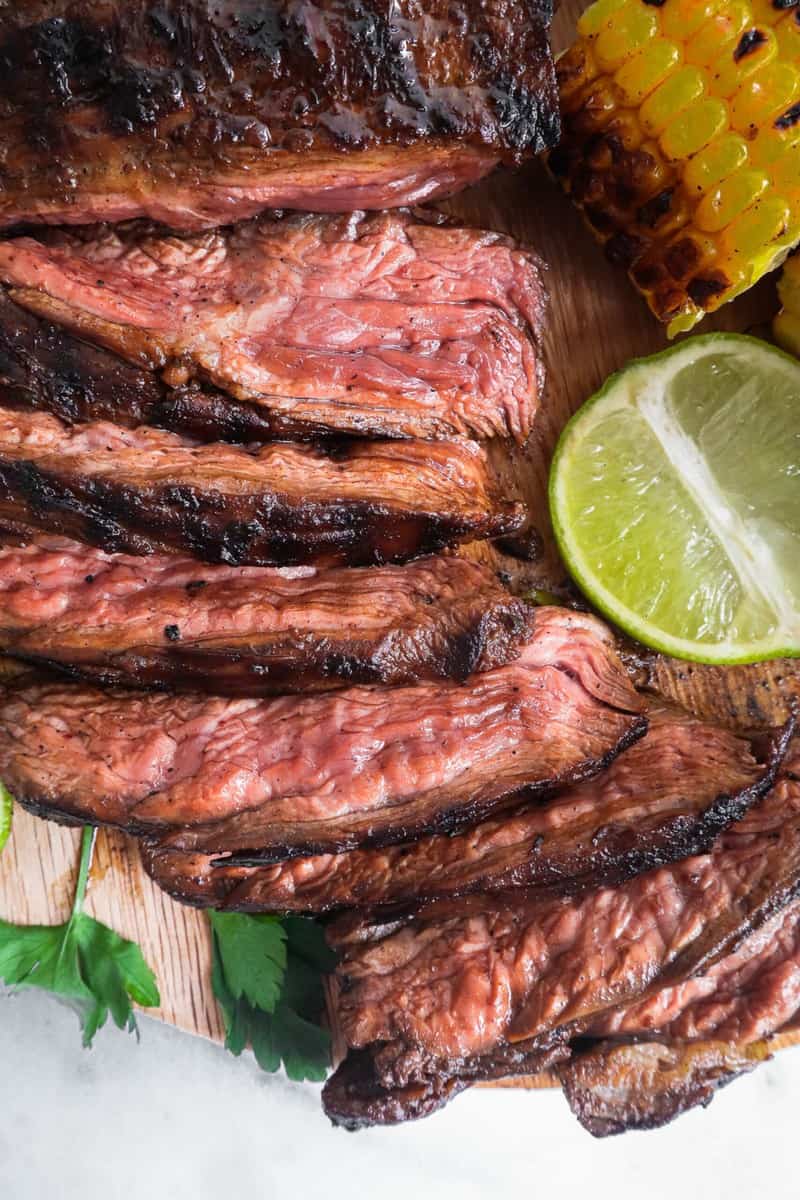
<point>385,324</point>
<point>311,774</point>
<point>198,114</point>
<point>168,622</point>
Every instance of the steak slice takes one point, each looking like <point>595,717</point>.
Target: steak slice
<point>143,491</point>
<point>44,367</point>
<point>323,773</point>
<point>471,977</point>
<point>617,1087</point>
<point>665,798</point>
<point>389,324</point>
<point>199,114</point>
<point>164,622</point>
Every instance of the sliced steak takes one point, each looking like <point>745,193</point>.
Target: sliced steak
<point>325,773</point>
<point>617,1087</point>
<point>44,367</point>
<point>144,491</point>
<point>390,324</point>
<point>169,622</point>
<point>665,798</point>
<point>469,977</point>
<point>199,114</point>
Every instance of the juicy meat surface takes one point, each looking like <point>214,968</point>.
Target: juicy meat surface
<point>615,1088</point>
<point>145,490</point>
<point>46,368</point>
<point>198,114</point>
<point>390,324</point>
<point>169,622</point>
<point>665,798</point>
<point>468,977</point>
<point>320,773</point>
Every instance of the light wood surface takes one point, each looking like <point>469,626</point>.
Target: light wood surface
<point>596,323</point>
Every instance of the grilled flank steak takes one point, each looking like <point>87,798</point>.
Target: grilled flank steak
<point>198,115</point>
<point>389,324</point>
<point>169,622</point>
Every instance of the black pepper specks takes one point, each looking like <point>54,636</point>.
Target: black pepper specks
<point>172,633</point>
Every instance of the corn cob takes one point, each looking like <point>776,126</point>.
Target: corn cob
<point>681,143</point>
<point>786,326</point>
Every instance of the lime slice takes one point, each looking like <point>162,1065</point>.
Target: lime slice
<point>6,808</point>
<point>675,497</point>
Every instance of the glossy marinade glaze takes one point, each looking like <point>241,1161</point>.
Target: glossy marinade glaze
<point>197,114</point>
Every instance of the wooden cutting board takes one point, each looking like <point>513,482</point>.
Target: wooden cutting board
<point>596,323</point>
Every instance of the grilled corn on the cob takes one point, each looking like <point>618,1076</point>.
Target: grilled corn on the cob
<point>786,326</point>
<point>681,143</point>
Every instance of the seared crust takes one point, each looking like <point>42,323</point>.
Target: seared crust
<point>196,113</point>
<point>147,491</point>
<point>617,1087</point>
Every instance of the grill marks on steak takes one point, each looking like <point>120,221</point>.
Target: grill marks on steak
<point>168,622</point>
<point>325,773</point>
<point>198,115</point>
<point>665,798</point>
<point>469,977</point>
<point>143,491</point>
<point>391,324</point>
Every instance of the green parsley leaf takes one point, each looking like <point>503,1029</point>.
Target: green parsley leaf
<point>6,811</point>
<point>94,969</point>
<point>284,1027</point>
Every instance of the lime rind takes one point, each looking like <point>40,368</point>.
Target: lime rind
<point>6,811</point>
<point>781,642</point>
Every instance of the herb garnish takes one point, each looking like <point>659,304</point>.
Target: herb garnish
<point>83,961</point>
<point>267,978</point>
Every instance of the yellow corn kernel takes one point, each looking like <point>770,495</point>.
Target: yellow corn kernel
<point>787,34</point>
<point>733,68</point>
<point>682,18</point>
<point>597,16</point>
<point>715,162</point>
<point>771,146</point>
<point>758,234</point>
<point>766,12</point>
<point>574,70</point>
<point>735,194</point>
<point>713,38</point>
<point>674,95</point>
<point>694,128</point>
<point>765,96</point>
<point>642,74</point>
<point>629,31</point>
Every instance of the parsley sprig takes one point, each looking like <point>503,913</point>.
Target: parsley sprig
<point>267,978</point>
<point>83,961</point>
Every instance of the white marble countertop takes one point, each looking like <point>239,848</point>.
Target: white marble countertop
<point>175,1118</point>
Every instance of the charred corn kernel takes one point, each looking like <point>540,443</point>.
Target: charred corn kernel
<point>724,27</point>
<point>682,143</point>
<point>642,74</point>
<point>755,49</point>
<point>786,325</point>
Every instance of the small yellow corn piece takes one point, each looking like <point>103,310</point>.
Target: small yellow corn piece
<point>786,325</point>
<point>681,144</point>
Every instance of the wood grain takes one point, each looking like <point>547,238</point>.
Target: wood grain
<point>596,324</point>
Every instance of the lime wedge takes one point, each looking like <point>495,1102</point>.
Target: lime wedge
<point>675,497</point>
<point>6,808</point>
